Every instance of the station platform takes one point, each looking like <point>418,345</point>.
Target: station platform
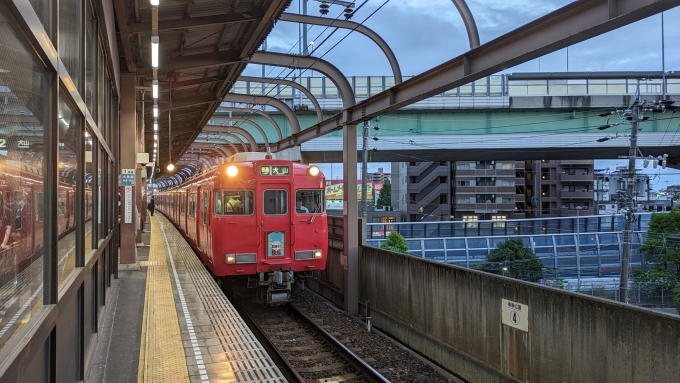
<point>170,322</point>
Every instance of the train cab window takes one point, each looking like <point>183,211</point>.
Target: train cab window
<point>192,205</point>
<point>309,201</point>
<point>40,207</point>
<point>234,202</point>
<point>275,202</point>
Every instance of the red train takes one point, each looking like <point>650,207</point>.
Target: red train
<point>255,222</point>
<point>23,214</point>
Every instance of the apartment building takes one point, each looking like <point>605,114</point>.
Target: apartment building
<point>488,190</point>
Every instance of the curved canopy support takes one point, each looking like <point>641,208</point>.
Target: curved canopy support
<point>222,139</point>
<point>209,146</point>
<point>232,131</point>
<point>256,111</point>
<point>247,121</point>
<point>310,96</point>
<point>346,24</point>
<point>470,25</point>
<point>264,100</point>
<point>315,63</point>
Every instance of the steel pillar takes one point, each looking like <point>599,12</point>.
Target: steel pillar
<point>128,160</point>
<point>350,257</point>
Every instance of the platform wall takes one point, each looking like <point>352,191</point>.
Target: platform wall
<point>453,316</point>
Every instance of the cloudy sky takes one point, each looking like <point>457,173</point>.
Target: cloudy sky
<point>425,33</point>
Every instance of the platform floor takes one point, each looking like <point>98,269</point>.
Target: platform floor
<point>188,331</point>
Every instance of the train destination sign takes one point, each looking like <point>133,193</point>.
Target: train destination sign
<point>274,170</point>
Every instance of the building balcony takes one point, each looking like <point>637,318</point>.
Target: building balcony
<point>579,177</point>
<point>577,194</point>
<point>573,212</point>
<point>485,190</point>
<point>504,173</point>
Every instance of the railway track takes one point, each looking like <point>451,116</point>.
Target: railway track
<point>308,351</point>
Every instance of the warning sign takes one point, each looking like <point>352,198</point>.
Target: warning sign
<point>515,315</point>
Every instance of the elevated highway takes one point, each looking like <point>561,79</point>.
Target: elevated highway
<point>504,117</point>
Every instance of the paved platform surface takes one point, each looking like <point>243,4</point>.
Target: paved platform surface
<point>186,329</point>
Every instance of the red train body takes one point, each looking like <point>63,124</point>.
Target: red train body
<point>254,222</point>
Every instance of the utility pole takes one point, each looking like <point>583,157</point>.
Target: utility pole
<point>630,187</point>
<point>364,171</point>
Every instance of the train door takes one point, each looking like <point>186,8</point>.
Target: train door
<point>205,222</point>
<point>274,216</point>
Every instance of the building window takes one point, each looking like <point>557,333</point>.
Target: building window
<point>463,200</point>
<point>571,171</point>
<point>413,179</point>
<point>485,164</point>
<point>471,221</point>
<point>507,166</point>
<point>412,198</point>
<point>499,218</point>
<point>464,166</point>
<point>486,181</point>
<point>507,200</point>
<point>462,183</point>
<point>507,183</point>
<point>484,198</point>
<point>570,188</point>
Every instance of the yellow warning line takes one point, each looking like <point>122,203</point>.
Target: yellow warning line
<point>161,352</point>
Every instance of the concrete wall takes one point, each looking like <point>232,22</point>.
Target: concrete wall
<point>453,315</point>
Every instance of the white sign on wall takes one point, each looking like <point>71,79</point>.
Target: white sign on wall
<point>128,204</point>
<point>515,315</point>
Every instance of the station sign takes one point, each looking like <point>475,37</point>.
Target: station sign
<point>128,177</point>
<point>515,315</point>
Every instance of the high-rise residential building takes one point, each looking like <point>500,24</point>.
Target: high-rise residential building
<point>488,190</point>
<point>379,176</point>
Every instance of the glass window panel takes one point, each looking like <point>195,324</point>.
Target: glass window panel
<point>90,61</point>
<point>275,202</point>
<point>476,243</point>
<point>481,87</point>
<point>577,87</point>
<point>494,242</point>
<point>240,87</point>
<point>285,91</point>
<point>100,197</point>
<point>451,92</point>
<point>466,90</point>
<point>456,254</point>
<point>231,202</point>
<point>565,240</point>
<point>414,244</point>
<point>24,113</point>
<point>316,86</point>
<point>309,201</point>
<point>89,172</point>
<point>331,89</point>
<point>361,86</point>
<point>434,244</point>
<point>543,240</point>
<point>436,255</point>
<point>587,239</point>
<point>376,85</point>
<point>455,243</point>
<point>69,132</point>
<point>44,11</point>
<point>70,21</point>
<point>558,86</point>
<point>389,82</point>
<point>495,85</point>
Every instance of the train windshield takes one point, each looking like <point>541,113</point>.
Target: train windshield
<point>234,202</point>
<point>309,201</point>
<point>275,202</point>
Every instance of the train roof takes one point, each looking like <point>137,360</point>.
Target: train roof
<point>246,156</point>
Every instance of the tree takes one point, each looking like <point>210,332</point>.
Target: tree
<point>395,242</point>
<point>385,198</point>
<point>514,259</point>
<point>657,247</point>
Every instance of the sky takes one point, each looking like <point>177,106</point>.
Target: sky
<point>425,33</point>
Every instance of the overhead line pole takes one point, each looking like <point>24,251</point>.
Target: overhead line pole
<point>630,187</point>
<point>364,171</point>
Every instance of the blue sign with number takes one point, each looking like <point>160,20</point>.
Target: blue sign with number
<point>128,180</point>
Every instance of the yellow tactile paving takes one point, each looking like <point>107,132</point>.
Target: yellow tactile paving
<point>161,354</point>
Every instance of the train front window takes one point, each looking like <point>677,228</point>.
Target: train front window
<point>234,202</point>
<point>309,201</point>
<point>275,202</point>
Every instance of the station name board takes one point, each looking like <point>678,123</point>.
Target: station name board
<point>274,170</point>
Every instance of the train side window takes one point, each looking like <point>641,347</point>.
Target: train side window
<point>181,203</point>
<point>234,202</point>
<point>40,207</point>
<point>309,201</point>
<point>192,205</point>
<point>275,202</point>
<point>18,207</point>
<point>205,208</point>
<point>61,204</point>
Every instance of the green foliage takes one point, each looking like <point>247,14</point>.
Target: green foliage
<point>385,198</point>
<point>662,278</point>
<point>513,259</point>
<point>395,242</point>
<point>656,247</point>
<point>553,278</point>
<point>676,298</point>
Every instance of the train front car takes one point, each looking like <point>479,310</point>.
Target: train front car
<point>269,227</point>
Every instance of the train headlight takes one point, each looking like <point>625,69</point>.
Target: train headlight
<point>317,254</point>
<point>232,171</point>
<point>230,258</point>
<point>313,171</point>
